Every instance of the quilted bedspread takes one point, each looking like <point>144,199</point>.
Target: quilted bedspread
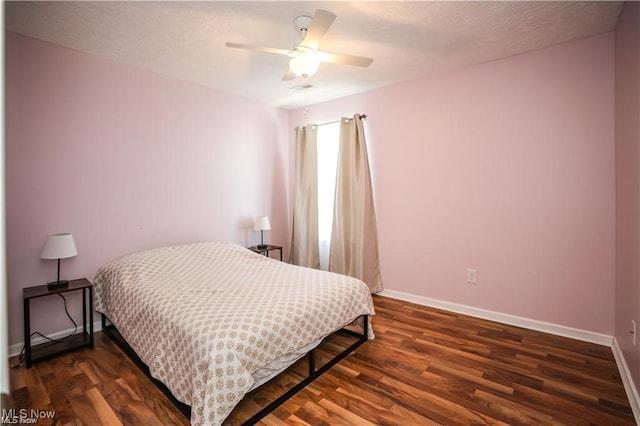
<point>205,316</point>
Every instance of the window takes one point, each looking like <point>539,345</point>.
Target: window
<point>328,145</point>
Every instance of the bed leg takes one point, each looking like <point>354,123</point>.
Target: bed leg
<point>365,327</point>
<point>312,362</point>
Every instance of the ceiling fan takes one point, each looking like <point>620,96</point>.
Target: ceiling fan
<point>305,57</point>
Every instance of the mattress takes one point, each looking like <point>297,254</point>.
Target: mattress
<point>209,319</point>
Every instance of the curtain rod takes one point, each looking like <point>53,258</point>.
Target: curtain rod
<point>363,116</point>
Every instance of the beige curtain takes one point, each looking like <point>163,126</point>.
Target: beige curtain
<point>304,241</point>
<point>354,238</point>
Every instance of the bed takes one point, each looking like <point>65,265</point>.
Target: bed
<point>214,320</point>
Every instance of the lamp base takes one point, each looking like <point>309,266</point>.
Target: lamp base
<point>57,284</point>
<point>262,246</point>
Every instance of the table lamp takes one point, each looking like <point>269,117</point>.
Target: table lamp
<point>261,223</point>
<point>59,246</point>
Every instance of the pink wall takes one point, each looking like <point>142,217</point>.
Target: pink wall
<point>126,159</point>
<point>628,183</point>
<point>505,167</point>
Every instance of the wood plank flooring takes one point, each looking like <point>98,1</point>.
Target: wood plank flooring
<point>425,367</point>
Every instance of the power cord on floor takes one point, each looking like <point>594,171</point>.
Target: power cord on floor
<point>22,356</point>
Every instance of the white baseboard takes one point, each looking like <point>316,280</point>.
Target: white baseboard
<point>627,381</point>
<point>558,330</point>
<point>18,347</point>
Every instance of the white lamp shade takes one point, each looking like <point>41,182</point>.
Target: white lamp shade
<point>59,246</point>
<point>304,64</point>
<point>261,223</point>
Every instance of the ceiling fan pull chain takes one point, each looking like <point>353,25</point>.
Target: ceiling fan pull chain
<point>306,99</point>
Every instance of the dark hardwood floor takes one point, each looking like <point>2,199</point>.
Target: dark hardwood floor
<point>425,366</point>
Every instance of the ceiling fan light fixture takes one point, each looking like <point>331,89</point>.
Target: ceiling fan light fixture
<point>304,63</point>
<point>305,58</point>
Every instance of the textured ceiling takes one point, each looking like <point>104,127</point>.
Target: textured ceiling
<point>407,40</point>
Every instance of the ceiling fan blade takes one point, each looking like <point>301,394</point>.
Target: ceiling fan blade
<point>289,75</point>
<point>260,48</point>
<point>337,58</point>
<point>321,22</point>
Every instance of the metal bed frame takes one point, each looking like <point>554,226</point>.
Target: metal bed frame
<point>111,331</point>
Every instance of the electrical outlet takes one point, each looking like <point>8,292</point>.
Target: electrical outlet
<point>472,276</point>
<point>633,331</point>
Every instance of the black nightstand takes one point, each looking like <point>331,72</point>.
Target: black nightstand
<point>75,341</point>
<point>266,249</point>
